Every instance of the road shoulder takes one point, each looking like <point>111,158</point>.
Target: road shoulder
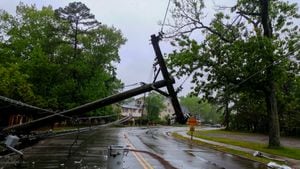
<point>236,150</point>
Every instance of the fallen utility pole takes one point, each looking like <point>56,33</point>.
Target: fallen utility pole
<point>21,105</point>
<point>47,120</point>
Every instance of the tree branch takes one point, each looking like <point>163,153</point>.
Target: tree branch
<point>255,24</point>
<point>248,13</point>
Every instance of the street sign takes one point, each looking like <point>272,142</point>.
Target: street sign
<point>192,121</point>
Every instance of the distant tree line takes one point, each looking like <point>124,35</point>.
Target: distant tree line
<point>154,104</point>
<point>58,58</point>
<point>206,112</point>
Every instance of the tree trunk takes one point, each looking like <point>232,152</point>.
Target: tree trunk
<point>226,114</point>
<point>274,131</point>
<point>75,39</point>
<point>270,91</point>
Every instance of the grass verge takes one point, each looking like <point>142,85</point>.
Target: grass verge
<point>241,154</point>
<point>282,151</point>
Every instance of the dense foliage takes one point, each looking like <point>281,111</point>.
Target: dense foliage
<point>248,61</point>
<point>154,104</point>
<point>204,111</point>
<point>57,59</point>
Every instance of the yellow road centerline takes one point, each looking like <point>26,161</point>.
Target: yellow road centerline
<point>139,160</point>
<point>138,156</point>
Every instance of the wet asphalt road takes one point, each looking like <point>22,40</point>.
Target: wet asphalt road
<point>184,155</point>
<point>90,151</point>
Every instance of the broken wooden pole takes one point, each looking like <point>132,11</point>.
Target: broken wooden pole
<point>25,127</point>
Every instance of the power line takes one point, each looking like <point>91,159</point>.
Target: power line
<point>133,84</point>
<point>180,86</point>
<point>167,9</point>
<point>254,74</point>
<point>96,117</point>
<point>23,105</point>
<point>243,81</point>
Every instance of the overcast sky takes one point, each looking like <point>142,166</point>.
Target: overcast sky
<point>137,19</point>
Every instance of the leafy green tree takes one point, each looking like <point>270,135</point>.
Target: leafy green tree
<point>81,21</point>
<point>208,112</point>
<point>289,108</point>
<point>92,63</point>
<point>30,42</point>
<point>250,113</point>
<point>249,50</point>
<point>60,71</point>
<point>14,84</point>
<point>154,103</point>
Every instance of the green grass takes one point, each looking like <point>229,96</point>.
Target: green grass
<point>282,151</point>
<point>241,154</point>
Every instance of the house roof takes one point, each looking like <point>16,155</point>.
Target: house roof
<point>130,106</point>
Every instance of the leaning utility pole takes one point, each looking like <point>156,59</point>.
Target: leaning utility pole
<point>172,94</point>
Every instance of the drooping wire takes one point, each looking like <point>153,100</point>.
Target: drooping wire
<point>130,85</point>
<point>180,86</point>
<point>76,122</point>
<point>279,61</point>
<point>166,13</point>
<point>256,73</point>
<point>96,117</point>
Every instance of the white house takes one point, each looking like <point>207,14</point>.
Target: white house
<point>168,110</point>
<point>131,109</point>
<point>137,108</point>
